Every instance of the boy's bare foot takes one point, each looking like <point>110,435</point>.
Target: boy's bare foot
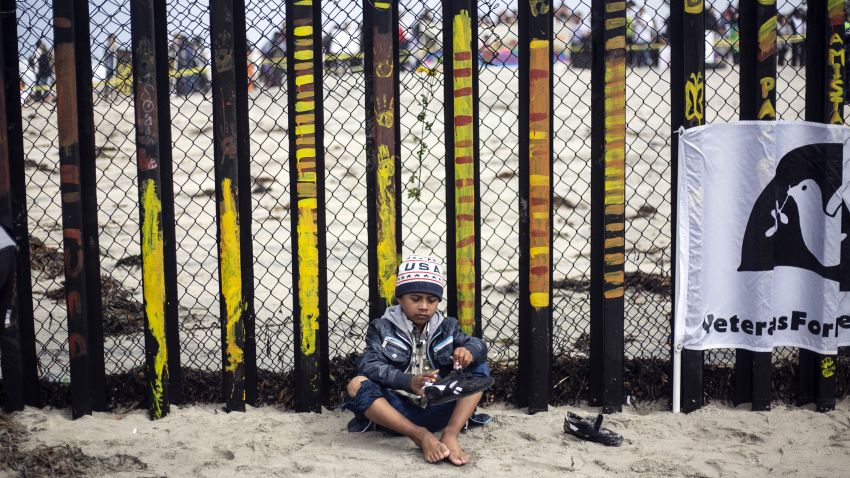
<point>432,449</point>
<point>456,453</point>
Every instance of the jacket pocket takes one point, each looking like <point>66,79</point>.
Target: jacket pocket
<point>395,350</point>
<point>442,351</point>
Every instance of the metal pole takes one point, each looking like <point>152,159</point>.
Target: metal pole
<point>758,102</point>
<point>608,173</point>
<point>226,145</point>
<point>687,76</point>
<point>307,176</point>
<point>535,211</point>
<point>463,205</point>
<point>383,150</point>
<point>153,244</point>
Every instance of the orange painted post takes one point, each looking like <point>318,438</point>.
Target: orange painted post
<point>535,204</point>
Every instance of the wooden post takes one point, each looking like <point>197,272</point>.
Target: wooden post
<point>535,200</point>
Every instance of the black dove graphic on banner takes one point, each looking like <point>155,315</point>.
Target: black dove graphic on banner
<point>789,220</point>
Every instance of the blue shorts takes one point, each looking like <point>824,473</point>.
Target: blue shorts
<point>432,417</point>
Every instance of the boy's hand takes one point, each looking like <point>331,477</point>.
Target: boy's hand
<point>418,381</point>
<point>462,357</point>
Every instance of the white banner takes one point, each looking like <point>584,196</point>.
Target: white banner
<point>763,258</point>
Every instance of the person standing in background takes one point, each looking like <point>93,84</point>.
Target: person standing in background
<point>798,47</point>
<point>42,63</point>
<point>109,64</point>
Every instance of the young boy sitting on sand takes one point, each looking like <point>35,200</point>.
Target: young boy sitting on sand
<point>410,346</point>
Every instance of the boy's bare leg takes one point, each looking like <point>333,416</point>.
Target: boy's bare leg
<point>464,408</point>
<point>382,413</point>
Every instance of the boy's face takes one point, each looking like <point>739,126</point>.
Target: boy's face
<point>418,307</point>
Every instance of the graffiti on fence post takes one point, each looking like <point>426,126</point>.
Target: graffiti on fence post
<point>72,207</point>
<point>232,307</point>
<point>306,159</point>
<point>383,163</point>
<point>535,172</point>
<point>150,208</point>
<point>463,207</point>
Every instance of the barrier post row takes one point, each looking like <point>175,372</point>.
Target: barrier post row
<point>463,206</point>
<point>687,88</point>
<point>608,195</point>
<point>18,196</point>
<point>307,177</point>
<point>535,199</point>
<point>11,364</point>
<point>226,145</point>
<point>824,104</point>
<point>383,150</point>
<point>163,110</point>
<point>71,188</point>
<point>758,102</point>
<point>153,245</point>
<point>243,138</point>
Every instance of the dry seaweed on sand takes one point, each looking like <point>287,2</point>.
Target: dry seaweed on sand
<point>45,261</point>
<point>57,460</point>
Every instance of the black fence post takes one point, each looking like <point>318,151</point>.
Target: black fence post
<point>687,88</point>
<point>88,173</point>
<point>757,26</point>
<point>72,208</point>
<point>17,176</point>
<point>307,193</point>
<point>608,196</point>
<point>824,104</point>
<point>463,205</point>
<point>11,361</point>
<point>163,109</point>
<point>153,244</point>
<point>383,150</point>
<point>535,200</point>
<point>243,138</point>
<point>228,194</point>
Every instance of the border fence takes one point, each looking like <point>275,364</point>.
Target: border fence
<point>210,199</point>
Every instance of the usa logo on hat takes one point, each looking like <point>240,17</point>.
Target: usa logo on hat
<point>420,274</point>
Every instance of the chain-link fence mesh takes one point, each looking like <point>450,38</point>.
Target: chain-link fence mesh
<point>648,144</point>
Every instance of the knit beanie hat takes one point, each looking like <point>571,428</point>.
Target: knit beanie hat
<point>420,274</point>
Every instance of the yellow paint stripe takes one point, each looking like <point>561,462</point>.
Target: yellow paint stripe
<point>539,300</point>
<point>231,275</point>
<point>302,80</point>
<point>303,55</point>
<point>303,31</point>
<point>153,272</point>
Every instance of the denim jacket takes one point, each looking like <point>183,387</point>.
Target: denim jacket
<point>389,348</point>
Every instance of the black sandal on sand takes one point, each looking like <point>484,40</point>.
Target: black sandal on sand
<point>455,386</point>
<point>590,430</point>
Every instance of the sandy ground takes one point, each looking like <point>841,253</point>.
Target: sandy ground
<point>204,441</point>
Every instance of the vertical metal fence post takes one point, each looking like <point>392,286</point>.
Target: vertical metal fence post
<point>757,26</point>
<point>11,361</point>
<point>307,192</point>
<point>687,77</point>
<point>18,197</point>
<point>243,138</point>
<point>226,145</point>
<point>88,170</point>
<point>608,202</point>
<point>153,244</point>
<point>163,110</point>
<point>383,150</point>
<point>72,208</point>
<point>535,201</point>
<point>824,104</point>
<point>463,205</point>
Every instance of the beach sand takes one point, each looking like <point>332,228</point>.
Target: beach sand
<point>204,441</point>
